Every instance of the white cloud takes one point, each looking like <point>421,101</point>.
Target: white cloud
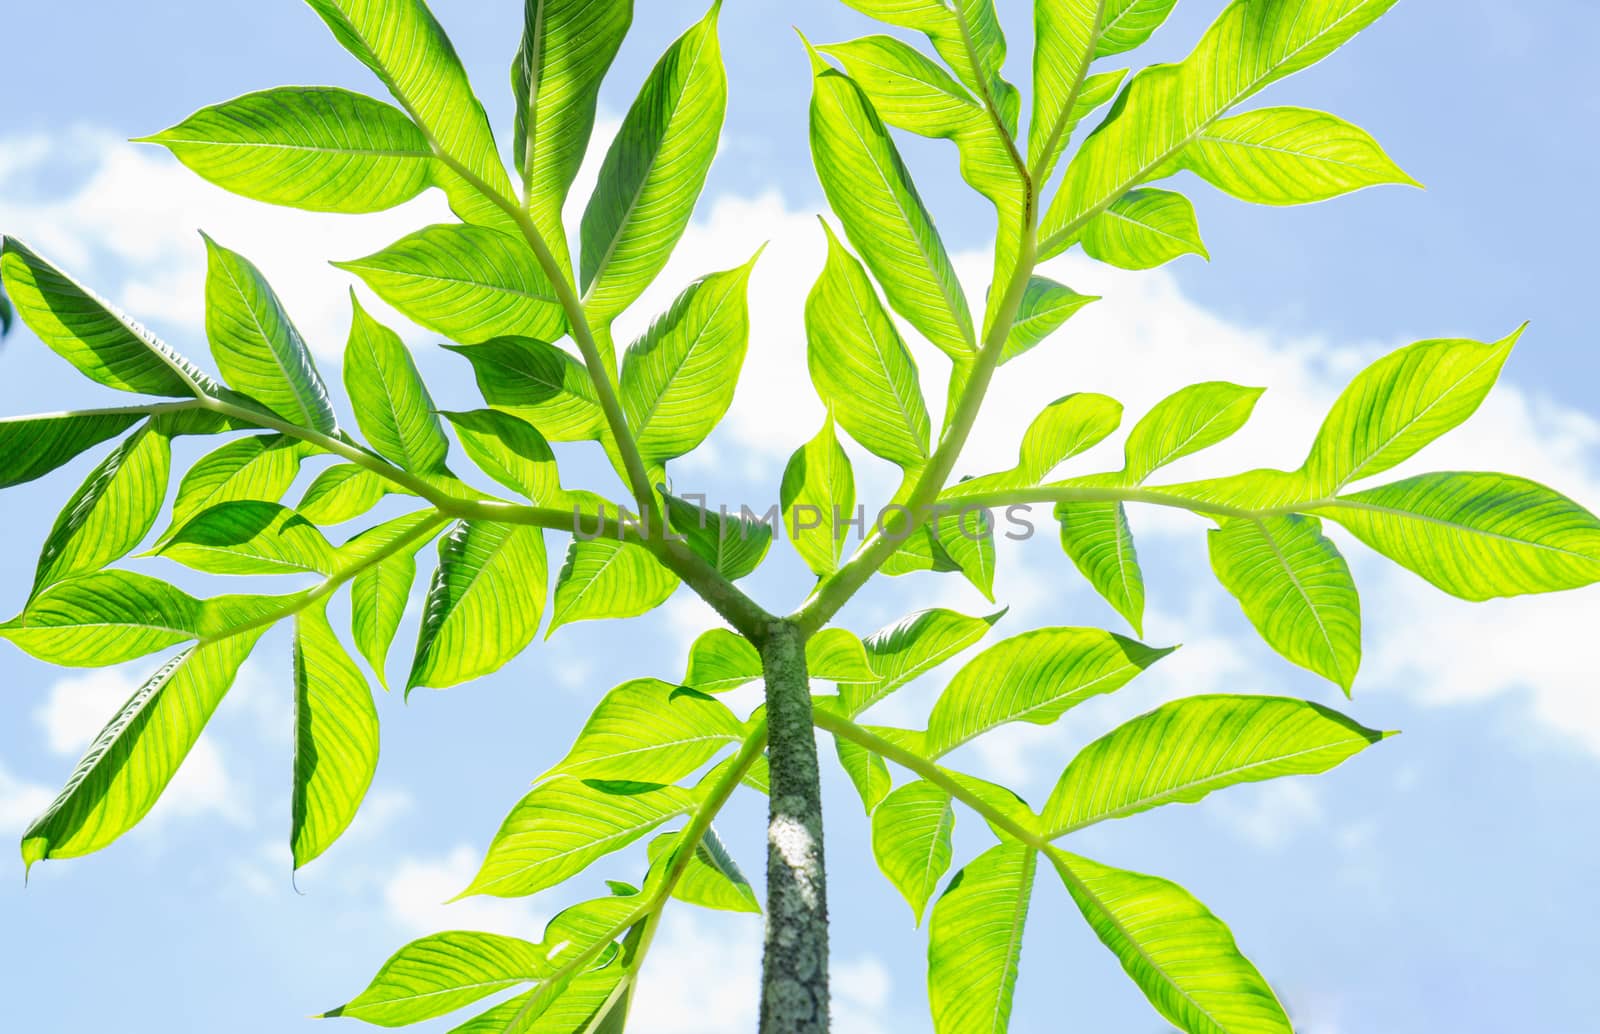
<point>415,895</point>
<point>20,802</point>
<point>1270,816</point>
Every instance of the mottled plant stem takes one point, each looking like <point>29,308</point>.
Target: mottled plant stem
<point>794,981</point>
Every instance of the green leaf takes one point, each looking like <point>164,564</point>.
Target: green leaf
<point>567,46</point>
<point>654,172</point>
<point>1066,427</point>
<point>511,451</point>
<point>870,189</point>
<point>712,879</point>
<point>538,382</point>
<point>111,512</point>
<point>251,537</point>
<point>818,495</point>
<point>867,772</point>
<point>1296,590</point>
<point>1144,229</point>
<point>256,345</point>
<point>966,537</point>
<point>380,592</point>
<point>261,467</point>
<point>650,731</point>
<point>604,578</point>
<point>86,331</point>
<point>564,824</point>
<point>975,941</point>
<point>1188,420</point>
<point>441,973</point>
<point>465,282</point>
<point>910,648</point>
<point>1399,404</point>
<point>860,366</point>
<point>1034,677</point>
<point>733,544</point>
<point>1097,538</point>
<point>836,655</point>
<point>1166,107</point>
<point>313,147</point>
<point>484,604</point>
<point>392,405</point>
<point>1184,750</point>
<point>133,758</point>
<point>966,34</point>
<point>335,737</point>
<point>409,52</point>
<point>102,618</point>
<point>911,832</point>
<point>33,446</point>
<point>1477,536</point>
<point>1128,23</point>
<point>1046,305</point>
<point>1065,35</point>
<point>341,493</point>
<point>678,379</point>
<point>1289,156</point>
<point>1180,955</point>
<point>908,90</point>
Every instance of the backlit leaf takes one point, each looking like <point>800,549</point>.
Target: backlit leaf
<point>341,493</point>
<point>1144,229</point>
<point>1188,420</point>
<point>102,618</point>
<point>603,578</point>
<point>392,405</point>
<point>975,941</point>
<point>539,383</point>
<point>818,495</point>
<point>911,840</point>
<point>335,737</point>
<point>261,467</point>
<point>651,731</point>
<point>511,451</point>
<point>712,879</point>
<point>33,446</point>
<point>910,648</point>
<point>251,537</point>
<point>1046,305</point>
<point>441,973</point>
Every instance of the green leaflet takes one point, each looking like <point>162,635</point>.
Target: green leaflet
<point>342,493</point>
<point>713,879</point>
<point>256,345</point>
<point>1097,538</point>
<point>1182,957</point>
<point>259,467</point>
<point>860,366</point>
<point>105,345</point>
<point>441,973</point>
<point>484,604</point>
<point>1069,425</point>
<point>911,831</point>
<point>721,660</point>
<point>1289,156</point>
<point>1128,23</point>
<point>104,617</point>
<point>1188,420</point>
<point>111,512</point>
<point>818,495</point>
<point>1296,589</point>
<point>1144,229</point>
<point>870,189</point>
<point>867,772</point>
<point>1034,677</point>
<point>511,451</point>
<point>1252,43</point>
<point>975,941</point>
<point>564,824</point>
<point>1184,750</point>
<point>1069,35</point>
<point>603,578</point>
<point>131,761</point>
<point>1399,404</point>
<point>966,35</point>
<point>567,46</point>
<point>379,594</point>
<point>910,648</point>
<point>314,147</point>
<point>1046,305</point>
<point>335,737</point>
<point>1477,536</point>
<point>650,731</point>
<point>251,537</point>
<point>33,446</point>
<point>392,405</point>
<point>409,52</point>
<point>678,379</point>
<point>539,383</point>
<point>654,172</point>
<point>733,544</point>
<point>465,282</point>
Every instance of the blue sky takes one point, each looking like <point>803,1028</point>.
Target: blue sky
<point>1443,881</point>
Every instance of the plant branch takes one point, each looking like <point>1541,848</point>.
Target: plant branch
<point>1156,496</point>
<point>831,721</point>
